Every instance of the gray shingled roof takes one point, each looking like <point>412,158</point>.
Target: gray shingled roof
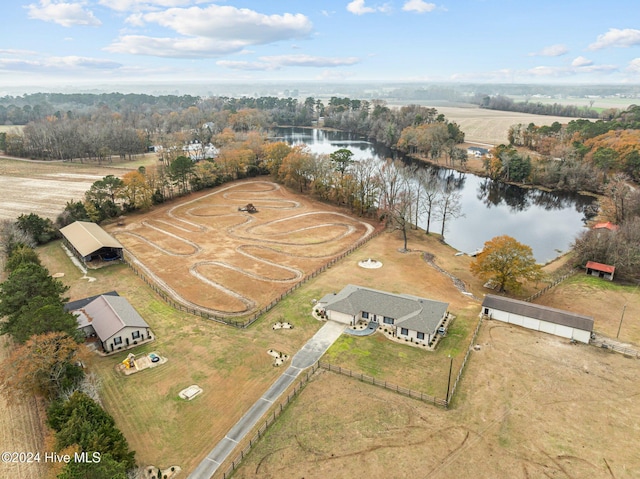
<point>536,311</point>
<point>412,312</point>
<point>88,237</point>
<point>110,314</point>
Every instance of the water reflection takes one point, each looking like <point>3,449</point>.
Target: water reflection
<point>546,221</point>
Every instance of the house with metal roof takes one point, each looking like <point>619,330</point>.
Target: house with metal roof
<point>90,243</point>
<point>539,318</point>
<point>114,321</point>
<point>409,317</point>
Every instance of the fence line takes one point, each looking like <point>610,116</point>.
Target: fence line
<point>600,343</point>
<point>137,269</point>
<point>464,361</point>
<point>387,385</point>
<point>270,419</point>
<point>548,287</point>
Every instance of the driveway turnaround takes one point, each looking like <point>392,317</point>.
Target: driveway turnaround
<point>306,357</point>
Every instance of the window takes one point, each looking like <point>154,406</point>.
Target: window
<point>404,331</point>
<point>117,340</point>
<point>135,334</point>
<point>365,315</point>
<point>388,320</point>
<point>420,335</point>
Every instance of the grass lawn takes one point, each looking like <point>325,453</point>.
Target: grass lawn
<point>232,366</point>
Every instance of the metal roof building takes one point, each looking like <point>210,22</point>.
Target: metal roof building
<point>116,323</point>
<point>89,242</point>
<point>540,318</point>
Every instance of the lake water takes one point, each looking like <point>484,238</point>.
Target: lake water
<point>548,222</point>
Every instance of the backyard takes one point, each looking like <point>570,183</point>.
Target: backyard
<point>530,405</point>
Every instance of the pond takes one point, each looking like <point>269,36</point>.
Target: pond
<point>546,221</point>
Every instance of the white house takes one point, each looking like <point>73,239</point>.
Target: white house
<point>197,151</point>
<point>114,321</point>
<point>410,317</point>
<point>539,318</point>
<point>477,151</point>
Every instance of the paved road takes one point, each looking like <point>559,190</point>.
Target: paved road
<point>307,356</point>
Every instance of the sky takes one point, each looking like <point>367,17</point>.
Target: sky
<point>69,42</point>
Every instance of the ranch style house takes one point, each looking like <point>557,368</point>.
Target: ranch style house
<point>409,317</point>
<point>111,319</point>
<point>539,318</point>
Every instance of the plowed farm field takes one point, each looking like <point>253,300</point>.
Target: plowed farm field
<point>209,255</point>
<point>45,187</point>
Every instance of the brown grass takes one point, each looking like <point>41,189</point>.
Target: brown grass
<point>530,406</point>
<point>523,402</point>
<point>21,430</point>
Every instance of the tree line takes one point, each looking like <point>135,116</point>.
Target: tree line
<point>503,103</point>
<point>47,362</point>
<point>581,155</point>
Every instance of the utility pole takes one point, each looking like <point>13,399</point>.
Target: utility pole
<point>449,382</point>
<point>621,318</point>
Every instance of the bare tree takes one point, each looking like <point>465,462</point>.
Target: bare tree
<point>429,194</point>
<point>448,206</point>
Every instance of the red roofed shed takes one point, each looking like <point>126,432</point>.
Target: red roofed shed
<point>608,225</point>
<point>600,270</point>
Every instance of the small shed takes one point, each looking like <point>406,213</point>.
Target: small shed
<point>89,242</point>
<point>561,323</point>
<point>607,226</point>
<point>605,271</point>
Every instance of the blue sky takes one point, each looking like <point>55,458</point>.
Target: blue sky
<point>111,41</point>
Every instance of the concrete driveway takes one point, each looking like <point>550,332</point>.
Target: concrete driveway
<point>310,353</point>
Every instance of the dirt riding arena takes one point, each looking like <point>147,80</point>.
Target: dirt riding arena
<point>209,255</point>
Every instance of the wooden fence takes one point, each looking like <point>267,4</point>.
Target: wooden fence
<point>270,419</point>
<point>464,361</point>
<point>138,270</point>
<point>387,385</point>
<point>602,343</point>
<point>551,285</point>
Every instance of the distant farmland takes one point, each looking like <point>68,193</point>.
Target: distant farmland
<point>492,126</point>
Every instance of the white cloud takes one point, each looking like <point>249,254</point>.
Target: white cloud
<point>310,61</point>
<point>143,5</point>
<point>58,64</point>
<point>634,65</point>
<point>357,7</point>
<point>277,62</point>
<point>580,68</point>
<point>12,51</point>
<point>581,62</point>
<point>210,31</point>
<point>419,6</point>
<point>62,13</point>
<point>616,37</point>
<point>174,47</point>
<point>551,51</point>
<point>247,66</point>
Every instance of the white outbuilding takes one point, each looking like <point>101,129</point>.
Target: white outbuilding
<point>539,318</point>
